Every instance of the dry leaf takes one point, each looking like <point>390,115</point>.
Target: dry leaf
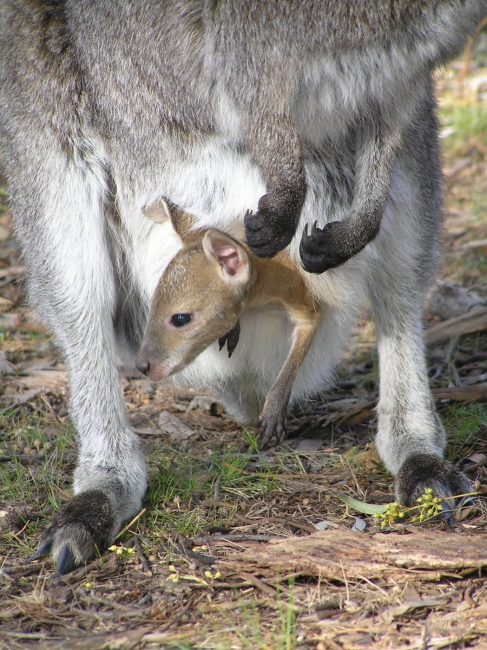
<point>447,300</point>
<point>4,233</point>
<point>176,428</point>
<point>5,304</point>
<point>309,445</point>
<point>10,270</point>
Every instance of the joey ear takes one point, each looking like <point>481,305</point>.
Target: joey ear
<point>228,254</point>
<point>181,222</point>
<point>159,212</point>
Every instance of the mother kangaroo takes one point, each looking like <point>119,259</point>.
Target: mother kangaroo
<point>298,111</point>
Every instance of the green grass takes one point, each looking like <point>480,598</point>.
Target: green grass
<point>252,441</point>
<point>462,424</point>
<point>464,135</point>
<point>461,122</point>
<point>253,633</point>
<point>180,482</point>
<point>180,474</point>
<point>26,489</point>
<point>32,484</point>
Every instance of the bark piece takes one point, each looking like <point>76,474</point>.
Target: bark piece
<point>336,554</point>
<point>474,321</point>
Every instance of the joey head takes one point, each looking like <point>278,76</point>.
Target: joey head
<point>198,300</point>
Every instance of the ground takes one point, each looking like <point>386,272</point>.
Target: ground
<point>240,549</point>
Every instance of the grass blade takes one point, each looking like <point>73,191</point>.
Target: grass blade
<point>365,508</point>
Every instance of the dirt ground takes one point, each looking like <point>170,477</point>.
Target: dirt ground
<point>240,549</point>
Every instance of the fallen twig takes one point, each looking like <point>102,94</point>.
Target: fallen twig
<point>475,393</point>
<point>180,614</point>
<point>24,635</point>
<point>277,520</point>
<point>23,459</point>
<point>248,577</point>
<point>136,518</point>
<point>207,539</point>
<point>465,324</point>
<point>186,549</point>
<point>50,409</point>
<point>140,554</point>
<point>467,57</point>
<point>302,476</point>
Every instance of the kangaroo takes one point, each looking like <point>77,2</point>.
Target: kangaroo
<point>305,112</point>
<point>201,296</point>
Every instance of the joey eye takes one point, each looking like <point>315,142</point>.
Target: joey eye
<point>179,320</point>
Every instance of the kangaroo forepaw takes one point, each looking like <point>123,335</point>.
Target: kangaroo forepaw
<point>272,227</point>
<point>80,528</point>
<point>324,248</point>
<point>422,471</point>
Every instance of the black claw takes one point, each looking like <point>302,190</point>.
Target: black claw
<point>447,514</point>
<point>43,550</point>
<point>65,563</point>
<point>231,338</point>
<point>272,227</point>
<point>316,249</point>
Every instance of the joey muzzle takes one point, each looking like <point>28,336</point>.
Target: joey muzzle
<point>142,364</point>
<point>148,365</point>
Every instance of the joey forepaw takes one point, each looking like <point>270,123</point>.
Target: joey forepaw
<point>80,528</point>
<point>271,433</point>
<point>273,420</point>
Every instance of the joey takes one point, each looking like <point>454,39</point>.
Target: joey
<point>200,297</point>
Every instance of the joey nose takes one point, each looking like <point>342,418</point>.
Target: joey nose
<point>142,365</point>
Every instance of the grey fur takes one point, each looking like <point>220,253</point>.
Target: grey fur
<point>300,111</point>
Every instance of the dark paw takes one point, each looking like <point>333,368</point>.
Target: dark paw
<point>272,227</point>
<point>231,338</point>
<point>78,530</point>
<point>430,471</point>
<point>325,248</point>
